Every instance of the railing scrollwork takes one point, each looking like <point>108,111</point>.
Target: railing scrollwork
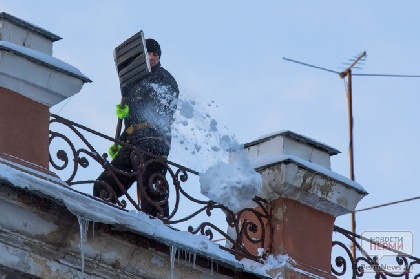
<point>358,266</point>
<point>246,230</point>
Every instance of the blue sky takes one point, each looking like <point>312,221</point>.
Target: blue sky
<point>230,52</point>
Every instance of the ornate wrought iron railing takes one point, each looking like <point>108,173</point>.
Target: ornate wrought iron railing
<point>242,229</point>
<point>403,267</point>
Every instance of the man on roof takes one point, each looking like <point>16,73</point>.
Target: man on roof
<point>148,115</point>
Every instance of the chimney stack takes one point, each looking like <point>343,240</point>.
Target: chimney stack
<point>31,81</point>
<point>305,198</point>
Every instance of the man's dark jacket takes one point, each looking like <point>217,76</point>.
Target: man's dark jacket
<point>153,101</point>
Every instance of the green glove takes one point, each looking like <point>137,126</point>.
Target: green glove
<point>112,152</point>
<point>122,112</point>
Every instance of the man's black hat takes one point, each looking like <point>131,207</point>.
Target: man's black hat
<point>153,46</point>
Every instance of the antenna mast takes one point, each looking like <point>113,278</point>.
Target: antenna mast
<point>347,73</point>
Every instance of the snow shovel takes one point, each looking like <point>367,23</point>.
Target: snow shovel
<point>132,60</point>
<point>132,63</point>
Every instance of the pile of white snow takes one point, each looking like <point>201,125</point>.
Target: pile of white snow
<point>233,185</point>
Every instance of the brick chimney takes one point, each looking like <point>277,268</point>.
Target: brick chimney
<point>31,81</point>
<point>305,197</point>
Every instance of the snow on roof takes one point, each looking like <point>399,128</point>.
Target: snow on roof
<point>43,59</point>
<point>83,206</point>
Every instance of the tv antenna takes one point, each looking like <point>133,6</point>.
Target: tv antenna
<point>348,73</point>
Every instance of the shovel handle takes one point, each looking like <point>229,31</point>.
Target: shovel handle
<point>119,126</point>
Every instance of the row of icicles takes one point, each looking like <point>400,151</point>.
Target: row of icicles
<point>188,256</point>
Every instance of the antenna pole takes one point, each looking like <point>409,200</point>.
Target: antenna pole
<point>350,112</point>
<point>343,74</point>
<point>347,73</point>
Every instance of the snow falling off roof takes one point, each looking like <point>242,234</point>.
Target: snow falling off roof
<point>45,59</point>
<point>233,185</point>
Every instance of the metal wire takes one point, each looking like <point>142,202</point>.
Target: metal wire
<point>387,204</point>
<point>309,65</point>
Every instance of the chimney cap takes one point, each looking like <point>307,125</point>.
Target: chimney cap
<point>299,138</point>
<point>43,59</point>
<point>26,25</point>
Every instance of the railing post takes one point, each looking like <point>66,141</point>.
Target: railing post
<point>305,197</point>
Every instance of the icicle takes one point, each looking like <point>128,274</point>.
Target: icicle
<point>173,252</point>
<point>84,226</point>
<point>211,262</point>
<point>260,251</point>
<point>194,258</point>
<point>93,229</point>
<point>186,256</point>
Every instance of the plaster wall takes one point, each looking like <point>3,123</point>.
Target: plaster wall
<point>40,238</point>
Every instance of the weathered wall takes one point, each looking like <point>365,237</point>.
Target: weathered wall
<point>24,126</point>
<point>40,238</point>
